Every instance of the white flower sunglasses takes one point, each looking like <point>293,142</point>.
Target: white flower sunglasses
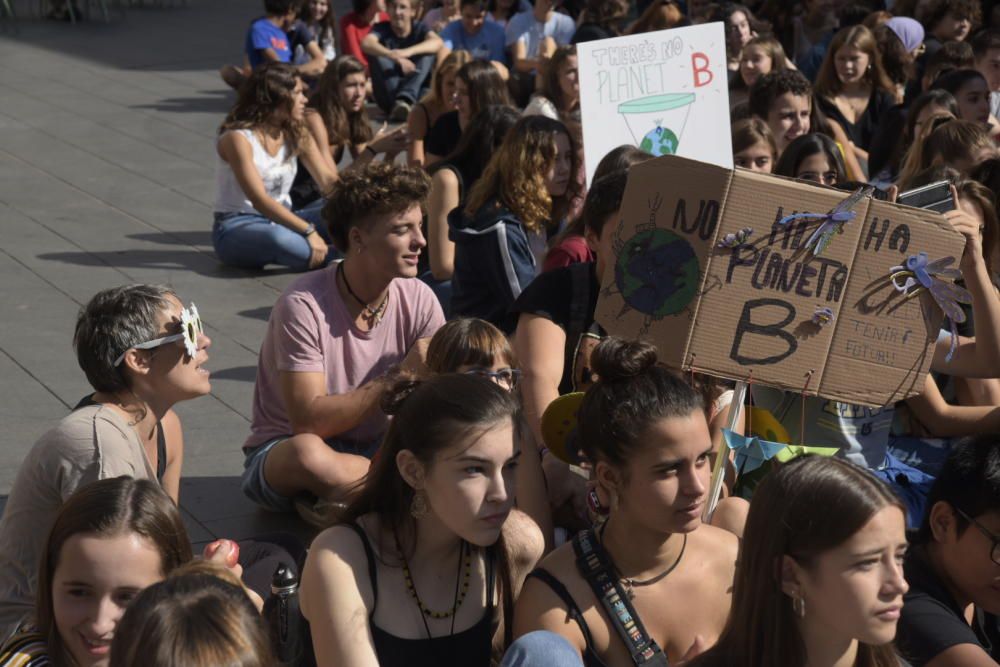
<point>191,327</point>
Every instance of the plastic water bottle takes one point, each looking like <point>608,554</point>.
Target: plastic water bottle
<point>283,616</point>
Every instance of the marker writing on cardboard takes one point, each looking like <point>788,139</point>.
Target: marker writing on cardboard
<point>820,278</point>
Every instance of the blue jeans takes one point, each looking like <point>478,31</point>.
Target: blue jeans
<point>541,648</point>
<point>251,241</point>
<point>390,84</point>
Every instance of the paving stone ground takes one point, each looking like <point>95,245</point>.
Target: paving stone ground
<point>106,178</point>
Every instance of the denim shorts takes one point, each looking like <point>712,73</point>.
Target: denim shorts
<point>255,486</point>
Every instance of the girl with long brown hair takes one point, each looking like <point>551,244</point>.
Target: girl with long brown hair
<point>111,539</point>
<point>339,122</point>
<point>501,236</point>
<point>257,148</point>
<point>852,87</point>
<point>423,568</point>
<point>819,580</point>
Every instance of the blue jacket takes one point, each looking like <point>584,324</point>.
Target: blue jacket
<point>493,264</point>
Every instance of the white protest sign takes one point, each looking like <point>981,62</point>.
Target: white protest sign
<point>666,92</point>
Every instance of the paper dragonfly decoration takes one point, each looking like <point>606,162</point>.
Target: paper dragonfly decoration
<point>918,276</point>
<point>751,451</point>
<point>830,223</point>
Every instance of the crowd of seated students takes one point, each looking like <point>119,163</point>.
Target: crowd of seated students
<point>452,266</point>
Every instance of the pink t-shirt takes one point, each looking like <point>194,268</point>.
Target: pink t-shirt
<point>310,330</point>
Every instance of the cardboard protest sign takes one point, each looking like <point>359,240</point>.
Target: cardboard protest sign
<point>710,268</point>
<point>666,92</point>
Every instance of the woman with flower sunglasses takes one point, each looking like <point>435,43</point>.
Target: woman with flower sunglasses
<point>142,351</point>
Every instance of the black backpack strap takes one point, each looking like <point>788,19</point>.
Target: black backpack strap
<point>593,562</point>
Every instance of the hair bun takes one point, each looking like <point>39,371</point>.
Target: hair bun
<point>395,396</point>
<point>616,359</point>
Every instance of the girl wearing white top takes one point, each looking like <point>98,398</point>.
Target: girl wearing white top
<point>258,143</point>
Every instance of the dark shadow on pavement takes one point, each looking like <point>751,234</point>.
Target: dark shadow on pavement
<point>262,313</point>
<point>201,263</point>
<point>194,238</point>
<point>238,373</point>
<point>219,102</point>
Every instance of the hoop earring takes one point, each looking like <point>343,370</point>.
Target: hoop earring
<point>418,506</point>
<point>799,606</point>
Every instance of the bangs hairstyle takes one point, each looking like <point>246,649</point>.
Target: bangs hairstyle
<point>801,509</point>
<point>377,189</point>
<point>429,417</point>
<point>448,67</point>
<point>468,342</point>
<point>485,85</point>
<point>195,619</point>
<point>752,131</point>
<point>938,9</point>
<point>806,146</point>
<point>113,321</point>
<point>109,508</point>
<point>343,127</point>
<point>515,174</point>
<point>632,393</point>
<point>828,84</point>
<point>265,99</point>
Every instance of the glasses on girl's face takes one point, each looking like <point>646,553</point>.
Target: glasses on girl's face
<point>994,538</point>
<point>191,328</point>
<point>505,377</point>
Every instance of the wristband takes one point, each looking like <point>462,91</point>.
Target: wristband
<point>310,229</point>
<point>369,148</point>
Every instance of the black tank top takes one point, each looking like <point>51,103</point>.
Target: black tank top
<point>469,648</point>
<point>590,656</point>
<point>161,441</point>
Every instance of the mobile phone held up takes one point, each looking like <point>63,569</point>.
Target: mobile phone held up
<point>934,197</point>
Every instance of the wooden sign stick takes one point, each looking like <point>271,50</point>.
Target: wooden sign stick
<point>719,471</point>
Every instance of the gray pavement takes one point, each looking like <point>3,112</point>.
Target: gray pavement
<point>106,178</point>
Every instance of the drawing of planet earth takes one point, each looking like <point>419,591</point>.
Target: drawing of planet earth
<point>657,273</point>
<point>666,114</point>
<point>659,141</point>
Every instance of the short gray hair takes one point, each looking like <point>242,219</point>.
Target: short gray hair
<point>113,321</point>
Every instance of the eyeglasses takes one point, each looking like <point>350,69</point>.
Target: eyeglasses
<point>191,328</point>
<point>505,377</point>
<point>995,549</point>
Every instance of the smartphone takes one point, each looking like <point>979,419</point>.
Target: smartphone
<point>934,197</point>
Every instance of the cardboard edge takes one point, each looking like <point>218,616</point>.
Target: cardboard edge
<point>724,200</point>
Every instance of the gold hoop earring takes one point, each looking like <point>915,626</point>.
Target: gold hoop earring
<point>799,606</point>
<point>418,506</point>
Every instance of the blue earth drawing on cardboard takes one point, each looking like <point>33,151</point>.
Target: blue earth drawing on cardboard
<point>657,273</point>
<point>659,141</point>
<point>657,122</point>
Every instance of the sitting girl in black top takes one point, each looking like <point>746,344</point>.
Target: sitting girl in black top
<point>852,88</point>
<point>644,431</point>
<point>425,567</point>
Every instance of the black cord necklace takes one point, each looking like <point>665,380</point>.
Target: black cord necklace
<point>464,553</point>
<point>632,583</point>
<point>374,315</point>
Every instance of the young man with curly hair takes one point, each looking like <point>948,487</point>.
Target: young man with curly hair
<point>783,100</point>
<point>331,340</point>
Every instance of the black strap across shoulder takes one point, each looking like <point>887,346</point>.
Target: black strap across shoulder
<point>595,566</point>
<point>370,554</point>
<point>574,610</point>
